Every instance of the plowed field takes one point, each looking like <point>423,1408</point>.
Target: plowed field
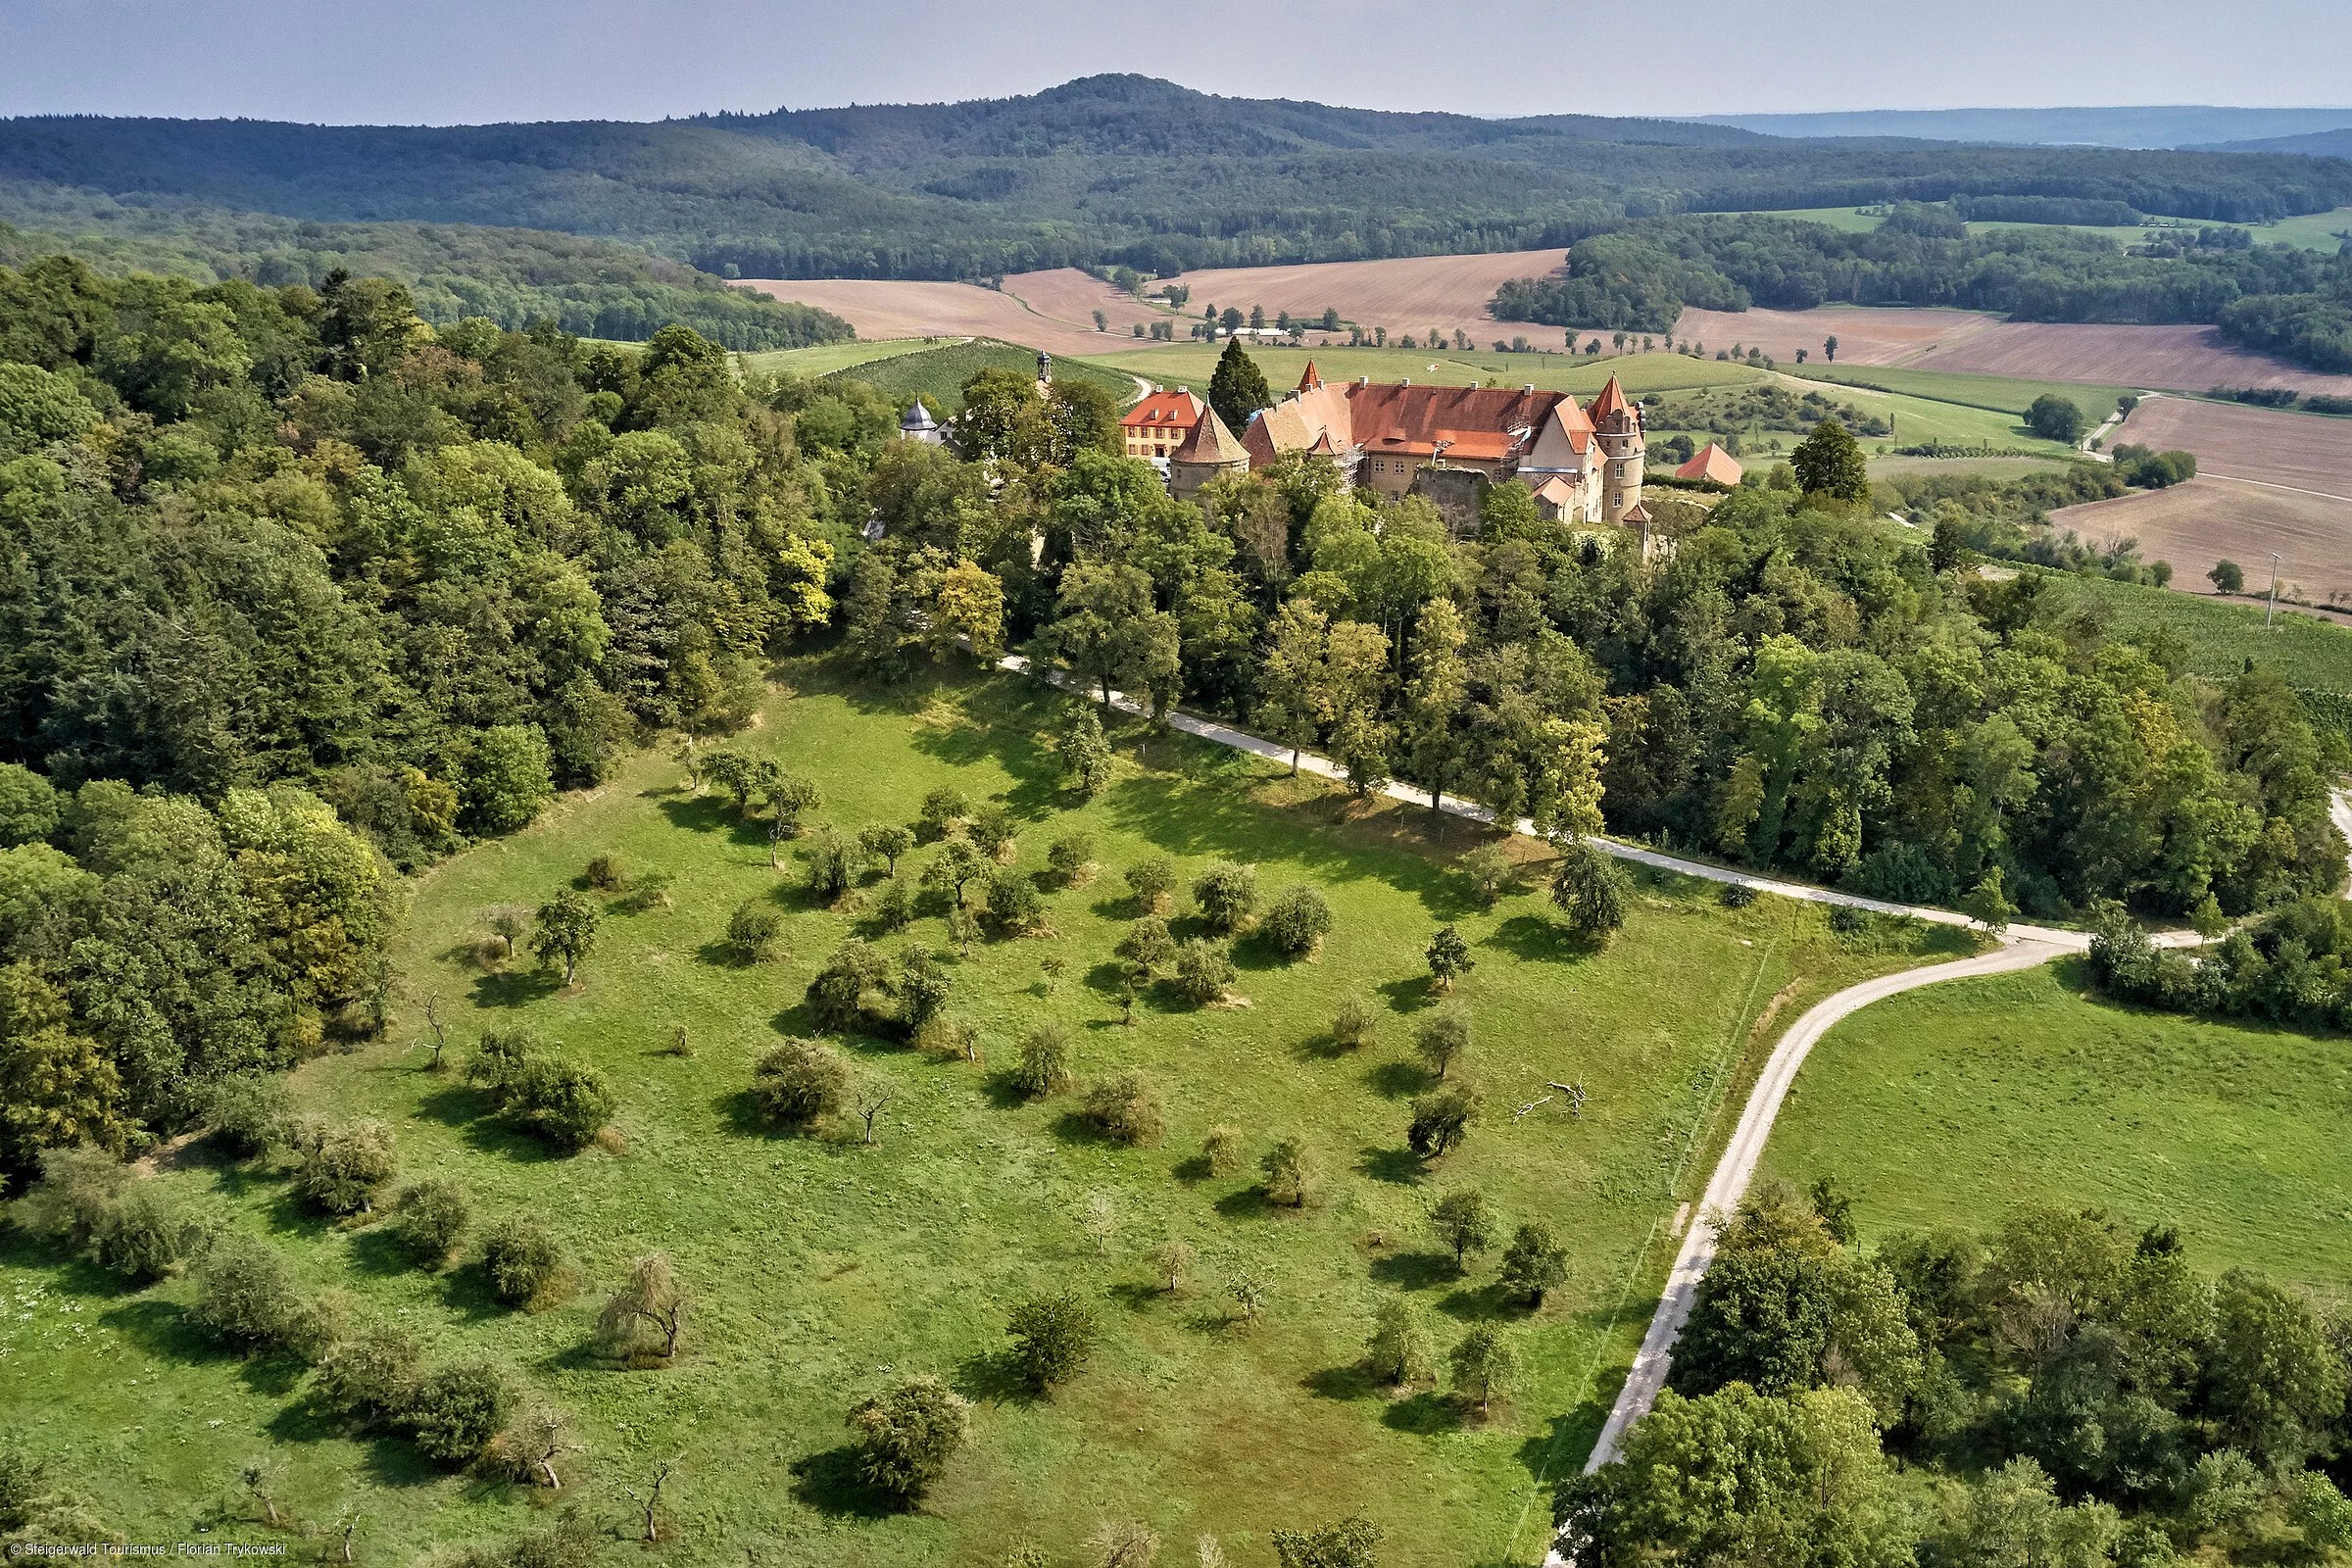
<point>2192,525</point>
<point>2180,359</point>
<point>1407,294</point>
<point>2300,451</point>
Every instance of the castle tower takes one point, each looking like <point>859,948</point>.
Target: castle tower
<point>1045,372</point>
<point>1617,424</point>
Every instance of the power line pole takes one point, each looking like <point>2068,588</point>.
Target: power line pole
<point>2273,605</point>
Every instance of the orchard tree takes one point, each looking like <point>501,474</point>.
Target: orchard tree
<point>886,841</point>
<point>565,931</point>
<point>953,868</point>
<point>1225,893</point>
<point>1399,1351</point>
<point>1591,891</point>
<point>1448,957</point>
<point>1442,1039</point>
<point>1535,1264</point>
<point>1298,920</point>
<point>1829,462</point>
<point>1483,1366</point>
<point>643,1321</point>
<point>1086,755</point>
<point>1466,1223</point>
<point>1442,1120</point>
<point>1353,1543</point>
<point>1053,1336</point>
<point>1151,879</point>
<point>1291,1173</point>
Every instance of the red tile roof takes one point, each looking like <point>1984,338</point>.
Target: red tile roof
<point>1179,411</point>
<point>1611,401</point>
<point>1312,377</point>
<point>1711,462</point>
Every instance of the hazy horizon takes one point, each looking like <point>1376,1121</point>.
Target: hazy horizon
<point>443,62</point>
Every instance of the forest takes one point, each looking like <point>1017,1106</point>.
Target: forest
<point>2120,1404</point>
<point>287,570</point>
<point>2278,298</point>
<point>1100,170</point>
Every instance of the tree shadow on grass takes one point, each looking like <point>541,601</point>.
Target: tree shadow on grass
<point>1423,1414</point>
<point>1414,1271</point>
<point>515,987</point>
<point>376,1251</point>
<point>1003,1091</point>
<point>1350,1382</point>
<point>1411,994</point>
<point>1400,1166</point>
<point>454,1104</point>
<point>1250,1203</point>
<point>1538,939</point>
<point>1481,1303</point>
<point>1192,1168</point>
<point>829,1483</point>
<point>993,1378</point>
<point>1257,953</point>
<point>467,1291</point>
<point>1396,1079</point>
<point>1568,1437</point>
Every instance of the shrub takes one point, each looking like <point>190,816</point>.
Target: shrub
<point>756,931</point>
<point>894,906</point>
<point>943,1034</point>
<point>245,1294</point>
<point>1051,1338</point>
<point>1221,1150</point>
<point>342,1167</point>
<point>1071,858</point>
<point>247,1114</point>
<point>1535,1264</point>
<point>1148,943</point>
<point>149,1234</point>
<point>1226,893</point>
<point>1399,1351</point>
<point>523,1260</point>
<point>606,873</point>
<point>837,996</point>
<point>1013,906</point>
<point>1126,1106</point>
<point>994,832</point>
<point>1203,972</point>
<point>1151,880</point>
<point>648,891</point>
<point>942,809</point>
<point>1735,896</point>
<point>906,1437</point>
<point>923,986</point>
<point>644,1321</point>
<point>800,1082</point>
<point>1298,920</point>
<point>1491,871</point>
<point>1353,1543</point>
<point>367,1378</point>
<point>1443,1040</point>
<point>1591,891</point>
<point>563,1102</point>
<point>831,866</point>
<point>1442,1120</point>
<point>1847,921</point>
<point>429,1218</point>
<point>455,1412</point>
<point>78,1189</point>
<point>1352,1026</point>
<point>1291,1173</point>
<point>1045,1065</point>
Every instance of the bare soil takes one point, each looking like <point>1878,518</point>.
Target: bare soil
<point>1865,335</point>
<point>882,308</point>
<point>2192,525</point>
<point>2178,359</point>
<point>2234,441</point>
<point>1405,294</point>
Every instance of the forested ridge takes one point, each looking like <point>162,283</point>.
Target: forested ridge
<point>1100,170</point>
<point>2276,298</point>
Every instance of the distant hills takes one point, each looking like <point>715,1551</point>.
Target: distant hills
<point>2148,126</point>
<point>2311,144</point>
<point>1105,170</point>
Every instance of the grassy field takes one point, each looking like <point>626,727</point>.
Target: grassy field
<point>825,358</point>
<point>939,373</point>
<point>1998,393</point>
<point>1190,364</point>
<point>2317,231</point>
<point>1950,1105</point>
<point>2312,654</point>
<point>824,1270</point>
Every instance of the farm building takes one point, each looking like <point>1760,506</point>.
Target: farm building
<point>1711,462</point>
<point>1158,425</point>
<point>1585,464</point>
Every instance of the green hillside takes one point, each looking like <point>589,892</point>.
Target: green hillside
<point>940,374</point>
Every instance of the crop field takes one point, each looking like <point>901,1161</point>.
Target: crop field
<point>1189,365</point>
<point>1953,1105</point>
<point>2178,359</point>
<point>1405,294</point>
<point>2192,525</point>
<point>899,308</point>
<point>826,358</point>
<point>821,1268</point>
<point>2314,655</point>
<point>2238,441</point>
<point>939,373</point>
<point>1865,335</point>
<point>2001,394</point>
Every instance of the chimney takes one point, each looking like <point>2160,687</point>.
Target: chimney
<point>1363,380</point>
<point>1530,387</point>
<point>1184,389</point>
<point>1408,381</point>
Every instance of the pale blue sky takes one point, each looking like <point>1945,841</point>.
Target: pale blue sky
<point>450,60</point>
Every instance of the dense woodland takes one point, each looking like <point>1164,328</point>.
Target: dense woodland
<point>2116,1404</point>
<point>1105,170</point>
<point>2280,299</point>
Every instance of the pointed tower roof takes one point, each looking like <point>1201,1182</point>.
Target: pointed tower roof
<point>1211,441</point>
<point>1611,401</point>
<point>1312,380</point>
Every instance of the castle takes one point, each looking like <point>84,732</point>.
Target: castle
<point>1583,463</point>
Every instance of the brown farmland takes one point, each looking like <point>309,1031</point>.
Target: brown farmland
<point>1865,335</point>
<point>880,307</point>
<point>1405,294</point>
<point>2194,525</point>
<point>2299,451</point>
<point>2178,359</point>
